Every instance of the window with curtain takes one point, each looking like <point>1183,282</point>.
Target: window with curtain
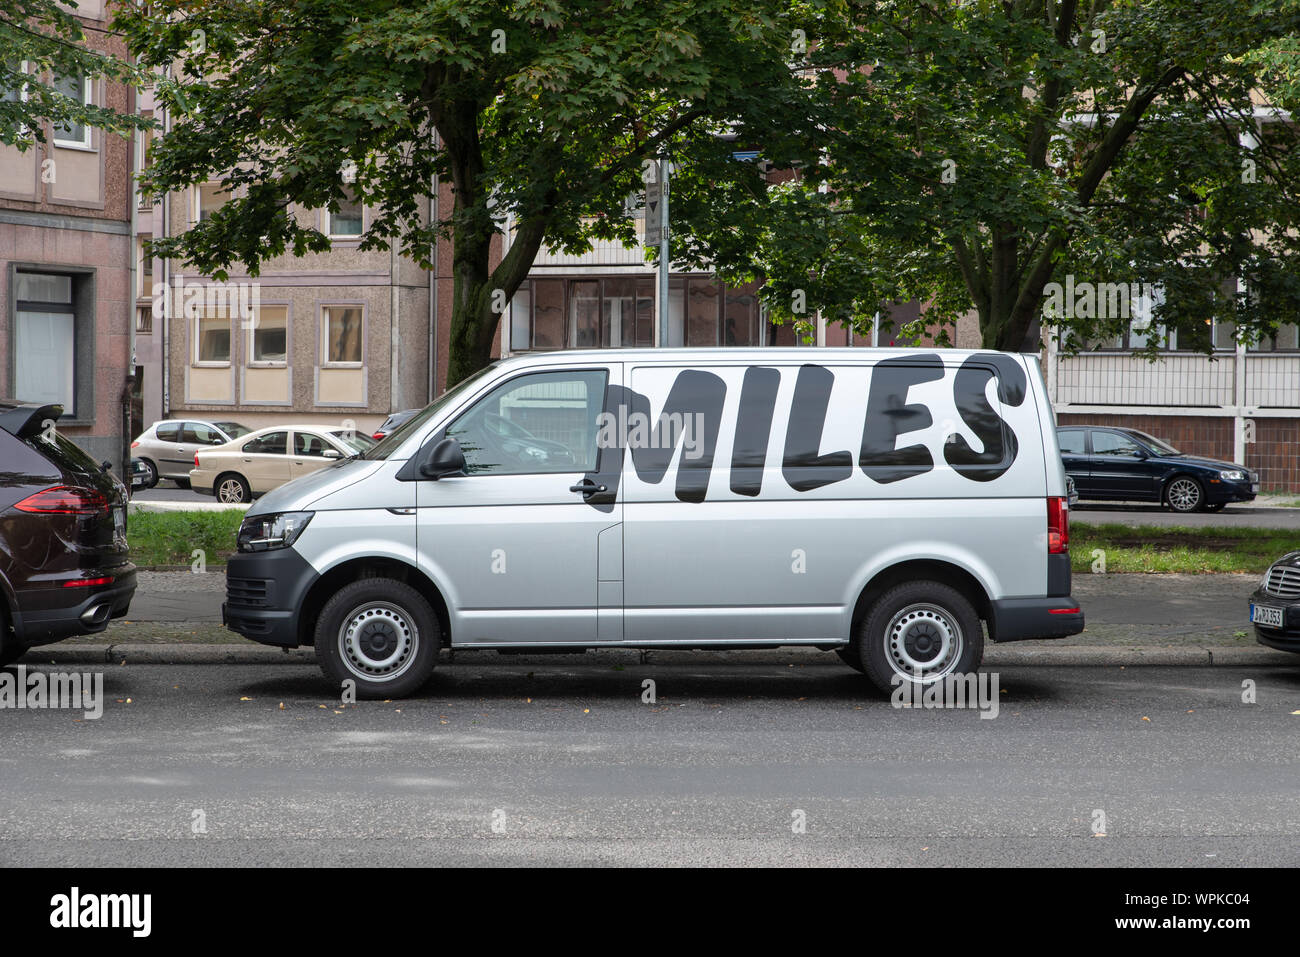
<point>45,340</point>
<point>342,328</point>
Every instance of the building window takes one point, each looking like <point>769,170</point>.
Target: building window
<point>143,269</point>
<point>13,89</point>
<point>347,222</point>
<point>1286,339</point>
<point>619,312</point>
<point>75,135</point>
<point>212,340</point>
<point>45,340</point>
<point>208,198</point>
<point>341,328</point>
<point>268,337</point>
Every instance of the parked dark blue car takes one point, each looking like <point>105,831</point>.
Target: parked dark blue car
<point>1111,464</point>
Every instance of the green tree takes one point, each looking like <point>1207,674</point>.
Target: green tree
<point>544,112</point>
<point>50,41</point>
<point>971,154</point>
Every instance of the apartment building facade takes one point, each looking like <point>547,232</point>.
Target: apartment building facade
<point>65,264</point>
<point>339,337</point>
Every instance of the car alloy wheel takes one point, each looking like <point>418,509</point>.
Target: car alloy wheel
<point>231,491</point>
<point>1184,495</point>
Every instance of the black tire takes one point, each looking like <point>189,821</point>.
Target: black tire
<point>1185,494</point>
<point>231,488</point>
<point>401,627</point>
<point>900,629</point>
<point>849,655</point>
<point>152,480</point>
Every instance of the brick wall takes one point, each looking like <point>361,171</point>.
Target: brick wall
<point>1276,453</point>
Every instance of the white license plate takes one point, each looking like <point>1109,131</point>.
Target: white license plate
<point>119,521</point>
<point>1266,615</point>
<point>1255,487</point>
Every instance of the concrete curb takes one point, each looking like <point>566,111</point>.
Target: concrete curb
<point>1006,656</point>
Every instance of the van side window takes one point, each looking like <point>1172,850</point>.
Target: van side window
<point>544,422</point>
<point>273,443</point>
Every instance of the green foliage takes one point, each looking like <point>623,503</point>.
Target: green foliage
<point>969,154</point>
<point>544,113</point>
<point>170,538</point>
<point>50,40</point>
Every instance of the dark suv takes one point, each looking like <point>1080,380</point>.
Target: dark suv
<point>63,556</point>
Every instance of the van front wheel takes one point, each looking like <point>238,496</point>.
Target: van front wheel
<point>920,632</point>
<point>380,634</point>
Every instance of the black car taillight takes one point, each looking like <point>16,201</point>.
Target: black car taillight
<point>65,500</point>
<point>1058,525</point>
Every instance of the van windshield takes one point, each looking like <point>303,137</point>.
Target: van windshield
<point>393,440</point>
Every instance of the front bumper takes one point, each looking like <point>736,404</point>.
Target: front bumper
<point>265,592</point>
<point>46,615</point>
<point>1286,638</point>
<point>1024,619</point>
<point>1221,490</point>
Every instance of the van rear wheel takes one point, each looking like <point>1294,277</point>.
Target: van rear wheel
<point>919,632</point>
<point>381,634</point>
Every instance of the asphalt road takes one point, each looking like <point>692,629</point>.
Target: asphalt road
<point>574,768</point>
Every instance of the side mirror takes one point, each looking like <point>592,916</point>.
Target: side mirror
<point>331,454</point>
<point>444,459</point>
<point>1142,454</point>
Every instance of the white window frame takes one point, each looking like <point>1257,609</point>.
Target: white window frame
<point>343,237</point>
<point>197,193</point>
<point>23,67</point>
<point>85,143</point>
<point>324,333</point>
<point>198,338</point>
<point>255,363</point>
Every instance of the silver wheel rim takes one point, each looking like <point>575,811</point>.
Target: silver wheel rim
<point>1184,495</point>
<point>149,473</point>
<point>231,491</point>
<point>924,643</point>
<point>378,641</point>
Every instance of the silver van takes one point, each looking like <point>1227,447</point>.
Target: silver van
<point>887,505</point>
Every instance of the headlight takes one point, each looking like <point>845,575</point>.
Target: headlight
<point>1233,475</point>
<point>257,533</point>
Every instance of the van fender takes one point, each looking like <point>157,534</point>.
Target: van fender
<point>900,554</point>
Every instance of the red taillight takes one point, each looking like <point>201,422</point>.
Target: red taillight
<point>1058,526</point>
<point>377,436</point>
<point>135,445</point>
<point>196,459</point>
<point>87,582</point>
<point>65,500</point>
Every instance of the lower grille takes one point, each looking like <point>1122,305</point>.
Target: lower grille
<point>248,592</point>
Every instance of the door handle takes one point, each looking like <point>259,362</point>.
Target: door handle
<point>588,487</point>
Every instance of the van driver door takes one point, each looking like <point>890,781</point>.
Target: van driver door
<point>527,545</point>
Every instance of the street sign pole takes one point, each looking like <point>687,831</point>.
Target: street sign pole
<point>663,252</point>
